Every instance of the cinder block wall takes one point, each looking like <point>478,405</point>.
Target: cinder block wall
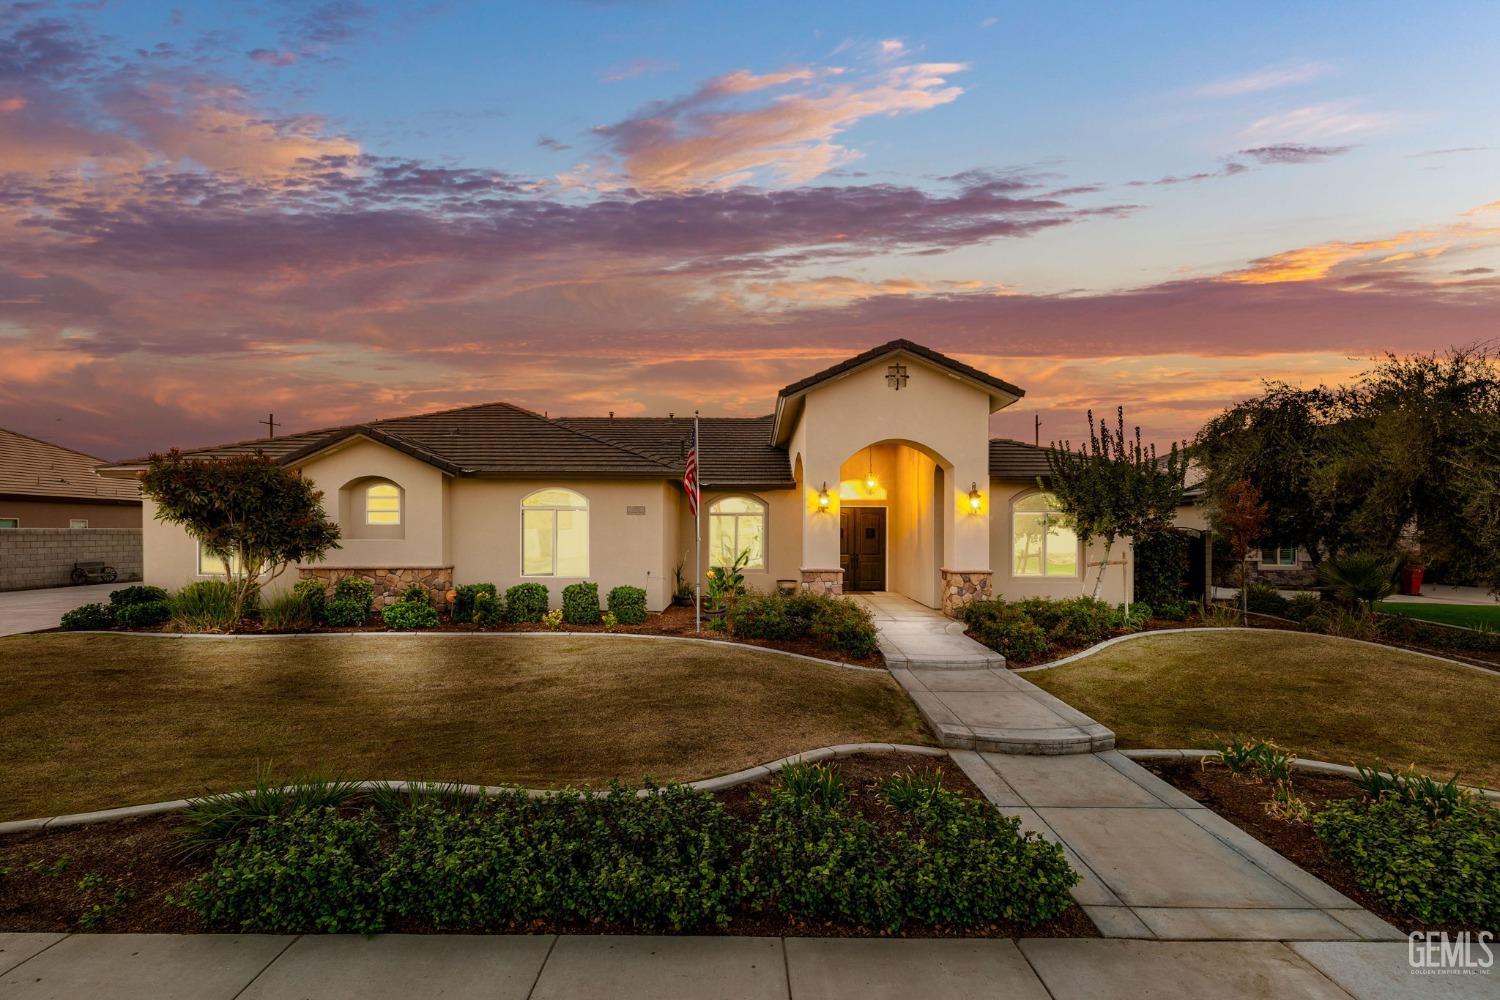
<point>43,557</point>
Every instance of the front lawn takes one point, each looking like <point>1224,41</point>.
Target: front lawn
<point>1467,615</point>
<point>94,721</point>
<point>1319,696</point>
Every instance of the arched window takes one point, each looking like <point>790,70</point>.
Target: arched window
<point>1042,541</point>
<point>382,503</point>
<point>736,524</point>
<point>555,534</point>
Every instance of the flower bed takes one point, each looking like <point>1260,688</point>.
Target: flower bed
<point>871,844</point>
<point>1413,870</point>
<point>827,627</point>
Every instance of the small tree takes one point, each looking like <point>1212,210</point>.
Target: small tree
<point>1114,487</point>
<point>255,515</point>
<point>1241,518</point>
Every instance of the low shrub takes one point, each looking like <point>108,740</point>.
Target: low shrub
<point>1073,621</point>
<point>357,589</point>
<point>1301,605</point>
<point>580,603</point>
<point>843,626</point>
<point>1443,872</point>
<point>1176,611</point>
<point>609,620</point>
<point>344,612</point>
<point>628,604</point>
<point>488,611</point>
<point>204,606</point>
<point>147,615</point>
<point>409,615</point>
<point>1402,628</point>
<point>1007,630</point>
<point>553,620</point>
<point>311,870</point>
<point>526,602</point>
<point>314,596</point>
<point>137,594</point>
<point>1134,618</point>
<point>88,618</point>
<point>774,617</point>
<point>464,596</point>
<point>1264,599</point>
<point>214,820</point>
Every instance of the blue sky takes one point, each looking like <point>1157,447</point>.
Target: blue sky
<point>1154,205</point>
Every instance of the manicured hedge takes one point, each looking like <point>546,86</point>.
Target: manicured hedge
<point>1443,871</point>
<point>1026,630</point>
<point>88,618</point>
<point>628,605</point>
<point>526,602</point>
<point>488,610</point>
<point>674,859</point>
<point>353,600</point>
<point>408,615</point>
<point>836,622</point>
<point>580,603</point>
<point>464,596</point>
<point>143,615</point>
<point>137,594</point>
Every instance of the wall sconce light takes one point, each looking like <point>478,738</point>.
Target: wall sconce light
<point>975,500</point>
<point>823,499</point>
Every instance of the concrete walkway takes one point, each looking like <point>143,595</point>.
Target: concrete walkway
<point>1439,593</point>
<point>29,610</point>
<point>964,691</point>
<point>503,967</point>
<point>1157,864</point>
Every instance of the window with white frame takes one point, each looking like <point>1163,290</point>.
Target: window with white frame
<point>78,522</point>
<point>735,525</point>
<point>383,504</point>
<point>555,534</point>
<point>1043,543</point>
<point>211,565</point>
<point>1278,555</point>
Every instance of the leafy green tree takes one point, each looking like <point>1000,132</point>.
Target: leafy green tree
<point>257,516</point>
<point>1113,487</point>
<point>1241,516</point>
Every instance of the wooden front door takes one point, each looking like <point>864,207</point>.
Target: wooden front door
<point>862,547</point>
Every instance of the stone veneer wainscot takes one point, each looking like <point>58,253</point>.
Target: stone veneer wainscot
<point>829,582</point>
<point>961,586</point>
<point>390,583</point>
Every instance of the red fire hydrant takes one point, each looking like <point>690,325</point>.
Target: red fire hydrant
<point>1411,580</point>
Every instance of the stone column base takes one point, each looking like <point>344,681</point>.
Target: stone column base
<point>389,584</point>
<point>823,581</point>
<point>960,586</point>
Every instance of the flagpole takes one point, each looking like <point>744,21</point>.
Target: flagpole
<point>697,531</point>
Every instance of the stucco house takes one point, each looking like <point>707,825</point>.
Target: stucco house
<point>877,473</point>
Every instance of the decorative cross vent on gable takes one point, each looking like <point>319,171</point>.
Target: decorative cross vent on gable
<point>895,376</point>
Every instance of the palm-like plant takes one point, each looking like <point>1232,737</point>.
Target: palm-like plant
<point>1361,578</point>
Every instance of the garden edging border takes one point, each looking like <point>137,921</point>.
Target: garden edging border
<point>1301,763</point>
<point>559,634</point>
<point>1240,628</point>
<point>713,784</point>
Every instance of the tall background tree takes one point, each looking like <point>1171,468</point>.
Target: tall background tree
<point>255,515</point>
<point>1113,487</point>
<point>1241,516</point>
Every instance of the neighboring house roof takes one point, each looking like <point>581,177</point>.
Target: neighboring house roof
<point>39,470</point>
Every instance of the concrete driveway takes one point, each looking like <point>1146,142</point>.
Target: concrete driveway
<point>29,610</point>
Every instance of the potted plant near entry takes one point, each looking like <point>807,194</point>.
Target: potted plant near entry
<point>725,583</point>
<point>682,593</point>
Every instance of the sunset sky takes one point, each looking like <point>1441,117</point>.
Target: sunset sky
<point>346,211</point>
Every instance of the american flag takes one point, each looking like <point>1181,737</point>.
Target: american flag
<point>690,474</point>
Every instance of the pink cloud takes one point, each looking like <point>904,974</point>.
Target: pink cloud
<point>273,57</point>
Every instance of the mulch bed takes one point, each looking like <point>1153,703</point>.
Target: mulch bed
<point>40,873</point>
<point>1242,802</point>
<point>674,621</point>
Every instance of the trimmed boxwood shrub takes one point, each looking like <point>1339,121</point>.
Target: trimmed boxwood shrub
<point>88,617</point>
<point>463,599</point>
<point>353,600</point>
<point>526,602</point>
<point>488,611</point>
<point>137,594</point>
<point>145,615</point>
<point>580,603</point>
<point>1006,629</point>
<point>773,616</point>
<point>311,870</point>
<point>1436,871</point>
<point>843,626</point>
<point>628,605</point>
<point>409,616</point>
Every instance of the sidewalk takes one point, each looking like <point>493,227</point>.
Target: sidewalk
<point>270,967</point>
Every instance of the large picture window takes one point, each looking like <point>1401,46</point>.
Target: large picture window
<point>736,524</point>
<point>555,534</point>
<point>1042,543</point>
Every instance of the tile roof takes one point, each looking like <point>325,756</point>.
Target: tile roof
<point>29,467</point>
<point>1011,459</point>
<point>910,347</point>
<point>735,452</point>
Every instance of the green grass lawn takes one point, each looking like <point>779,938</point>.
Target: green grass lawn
<point>95,721</point>
<point>1322,697</point>
<point>1467,615</point>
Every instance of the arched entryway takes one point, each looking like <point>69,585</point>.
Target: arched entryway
<point>893,520</point>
